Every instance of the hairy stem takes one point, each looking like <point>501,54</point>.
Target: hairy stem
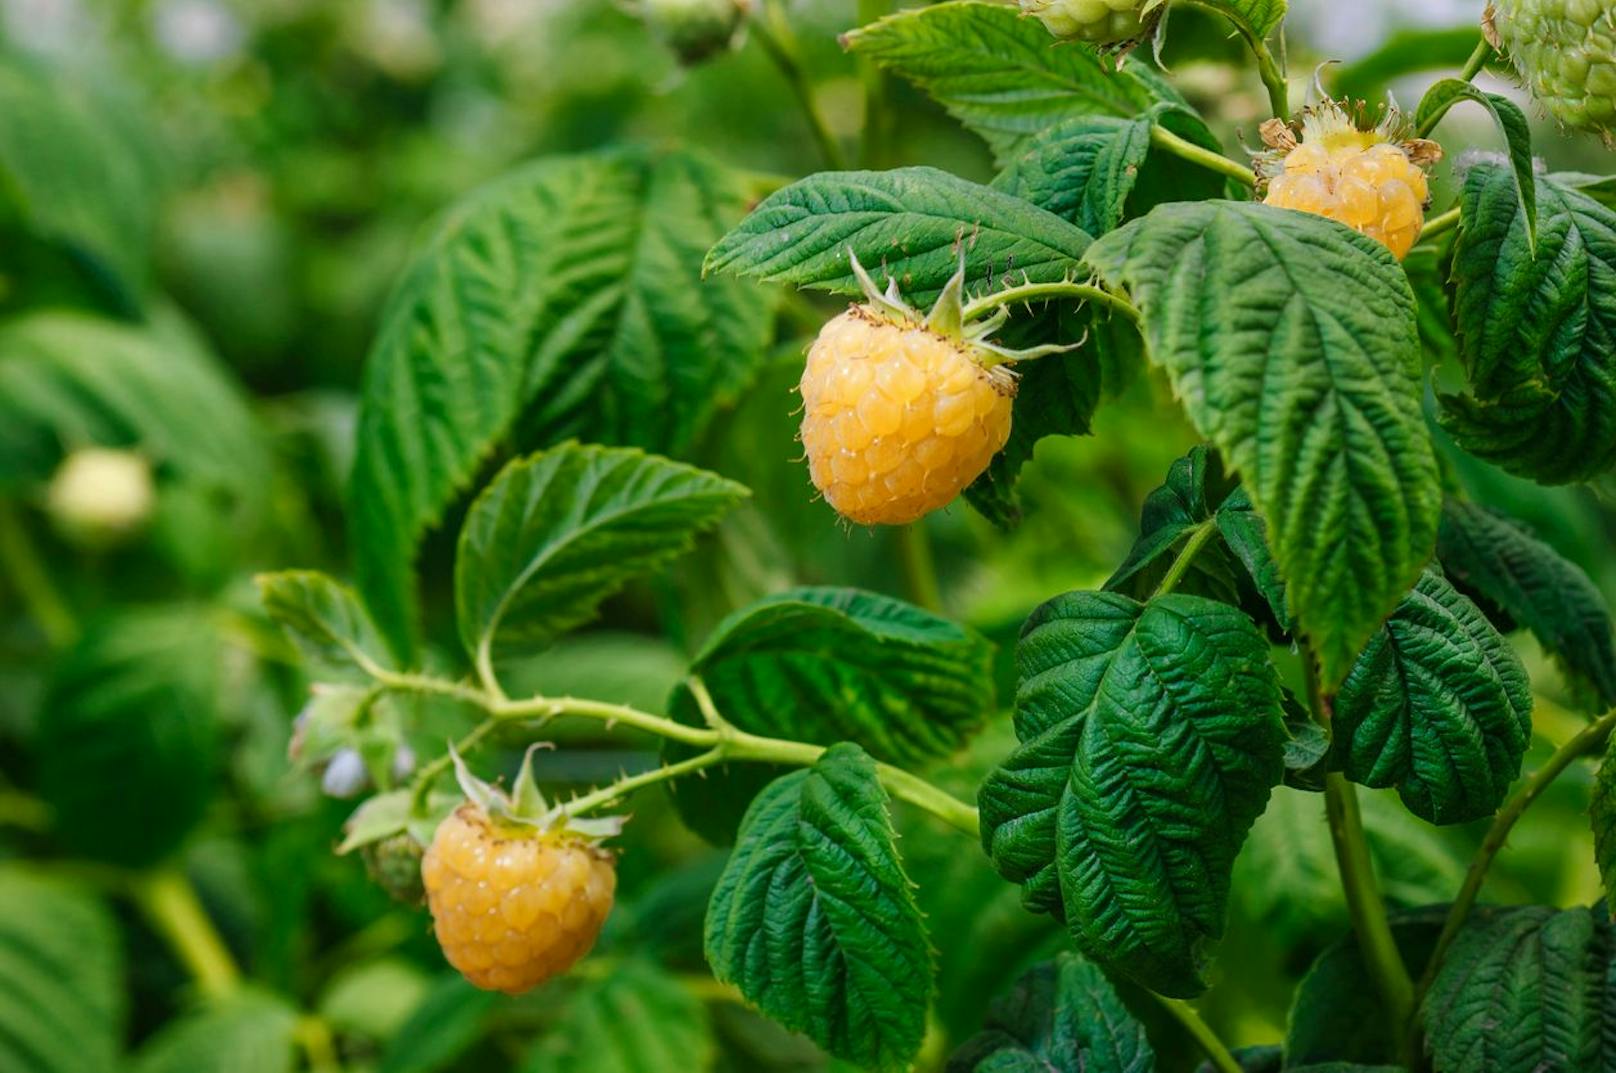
<point>32,581</point>
<point>773,32</point>
<point>1208,1040</point>
<point>1436,225</point>
<point>1478,59</point>
<point>1186,556</point>
<point>919,567</point>
<point>170,905</point>
<point>1032,292</point>
<point>1165,139</point>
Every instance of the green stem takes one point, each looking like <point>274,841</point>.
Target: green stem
<point>877,118</point>
<point>919,567</point>
<point>1268,68</point>
<point>1436,225</point>
<point>1163,138</point>
<point>1478,59</point>
<point>774,34</point>
<point>421,788</point>
<point>1202,1032</point>
<point>1030,292</point>
<point>1588,742</point>
<point>170,904</point>
<point>314,1036</point>
<point>33,584</point>
<point>627,785</point>
<point>1186,555</point>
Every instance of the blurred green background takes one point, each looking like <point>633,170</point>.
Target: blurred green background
<point>203,204</point>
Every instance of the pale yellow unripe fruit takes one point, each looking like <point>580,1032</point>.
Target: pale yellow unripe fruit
<point>1098,22</point>
<point>100,496</point>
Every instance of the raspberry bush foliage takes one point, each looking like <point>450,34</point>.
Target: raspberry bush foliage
<point>702,535</point>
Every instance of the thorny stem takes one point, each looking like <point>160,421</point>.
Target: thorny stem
<point>919,566</point>
<point>1181,565</point>
<point>1031,292</point>
<point>1214,1047</point>
<point>428,774</point>
<point>170,904</point>
<point>32,582</point>
<point>1268,68</point>
<point>1364,904</point>
<point>774,34</point>
<point>1436,225</point>
<point>1163,138</point>
<point>1588,742</point>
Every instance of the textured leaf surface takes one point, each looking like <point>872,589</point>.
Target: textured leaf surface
<point>1523,990</point>
<point>1501,561</point>
<point>556,533</point>
<point>325,618</point>
<point>1537,332</point>
<point>814,920</point>
<point>636,1020</point>
<point>908,223</point>
<point>1437,705</point>
<point>1151,735</point>
<point>1602,819</point>
<point>1063,1016</point>
<point>129,717</point>
<point>1291,342</point>
<point>61,972</point>
<point>825,665</point>
<point>1002,75</point>
<point>1511,121</point>
<point>564,299</point>
<point>251,1033</point>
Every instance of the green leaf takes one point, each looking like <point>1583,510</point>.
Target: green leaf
<point>558,532</point>
<point>62,974</point>
<point>1063,1016</point>
<point>127,720</point>
<point>325,618</point>
<point>1185,502</point>
<point>1536,330</point>
<point>1151,735</point>
<point>70,380</point>
<point>1521,990</point>
<point>562,300</point>
<point>448,1021</point>
<point>908,223</point>
<point>1291,342</point>
<point>1002,75</point>
<point>80,167</point>
<point>814,920</point>
<point>1437,705</point>
<point>824,665</point>
<point>1602,819</point>
<point>638,1019</point>
<point>249,1033</point>
<point>1246,535</point>
<point>1257,18</point>
<point>1511,123</point>
<point>1500,562</point>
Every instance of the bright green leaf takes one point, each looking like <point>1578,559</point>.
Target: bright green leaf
<point>1291,342</point>
<point>814,920</point>
<point>562,300</point>
<point>638,1019</point>
<point>325,618</point>
<point>825,665</point>
<point>1504,564</point>
<point>1511,123</point>
<point>558,532</point>
<point>249,1033</point>
<point>1438,705</point>
<point>1536,330</point>
<point>1151,735</point>
<point>1063,1016</point>
<point>1257,18</point>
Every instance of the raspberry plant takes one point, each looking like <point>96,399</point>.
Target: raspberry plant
<point>1299,684</point>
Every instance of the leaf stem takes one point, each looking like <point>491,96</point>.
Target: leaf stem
<point>919,567</point>
<point>32,582</point>
<point>1028,292</point>
<point>1268,68</point>
<point>1214,1047</point>
<point>1185,149</point>
<point>1478,59</point>
<point>169,902</point>
<point>1186,555</point>
<point>1436,225</point>
<point>1589,741</point>
<point>628,784</point>
<point>773,32</point>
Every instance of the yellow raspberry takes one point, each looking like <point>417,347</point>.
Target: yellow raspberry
<point>898,418</point>
<point>1099,22</point>
<point>1365,179</point>
<point>513,908</point>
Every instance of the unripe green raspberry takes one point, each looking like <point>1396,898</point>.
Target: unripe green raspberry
<point>1565,51</point>
<point>1099,22</point>
<point>695,29</point>
<point>394,864</point>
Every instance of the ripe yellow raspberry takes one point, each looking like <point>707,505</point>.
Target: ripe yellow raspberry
<point>898,418</point>
<point>1365,179</point>
<point>513,907</point>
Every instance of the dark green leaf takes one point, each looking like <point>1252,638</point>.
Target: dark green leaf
<point>562,300</point>
<point>1151,736</point>
<point>448,1021</point>
<point>1504,564</point>
<point>1537,333</point>
<point>1291,341</point>
<point>814,919</point>
<point>638,1019</point>
<point>909,223</point>
<point>825,665</point>
<point>1063,1016</point>
<point>126,740</point>
<point>62,975</point>
<point>1002,75</point>
<point>1511,123</point>
<point>1523,990</point>
<point>1260,1058</point>
<point>556,533</point>
<point>1438,705</point>
<point>1246,535</point>
<point>1602,818</point>
<point>1184,503</point>
<point>249,1033</point>
<point>325,618</point>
